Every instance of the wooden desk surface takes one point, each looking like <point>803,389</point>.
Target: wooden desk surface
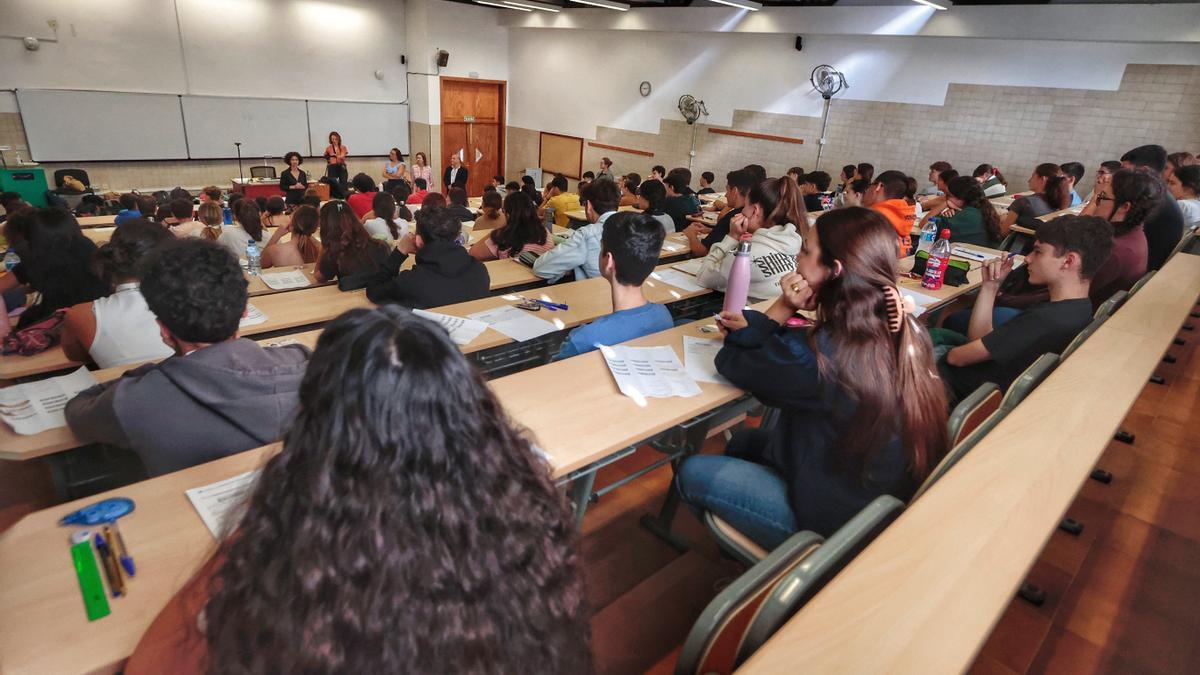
<point>947,293</point>
<point>925,595</point>
<point>256,287</point>
<point>95,221</point>
<point>42,624</point>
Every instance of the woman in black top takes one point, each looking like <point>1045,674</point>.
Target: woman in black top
<point>56,261</point>
<point>294,181</point>
<point>348,252</point>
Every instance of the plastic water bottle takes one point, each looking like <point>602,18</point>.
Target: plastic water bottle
<point>254,258</point>
<point>738,289</point>
<point>227,214</point>
<point>939,257</point>
<point>929,235</point>
<point>11,259</point>
<point>548,214</point>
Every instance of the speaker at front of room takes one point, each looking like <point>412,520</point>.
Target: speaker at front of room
<point>443,58</point>
<point>799,43</point>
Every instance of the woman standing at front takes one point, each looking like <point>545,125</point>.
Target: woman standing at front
<point>421,169</point>
<point>394,171</point>
<point>335,160</point>
<point>294,181</point>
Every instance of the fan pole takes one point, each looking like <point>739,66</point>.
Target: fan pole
<point>692,154</point>
<point>824,126</point>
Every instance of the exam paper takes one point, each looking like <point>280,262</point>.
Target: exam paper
<point>284,281</point>
<point>692,266</point>
<point>218,502</point>
<point>648,372</point>
<point>254,316</point>
<point>517,324</point>
<point>461,330</point>
<point>672,247</point>
<point>34,407</point>
<point>680,280</point>
<point>923,301</point>
<point>969,254</point>
<point>700,355</point>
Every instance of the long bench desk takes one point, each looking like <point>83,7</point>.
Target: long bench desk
<point>925,595</point>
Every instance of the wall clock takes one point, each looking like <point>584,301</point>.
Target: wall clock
<point>644,88</point>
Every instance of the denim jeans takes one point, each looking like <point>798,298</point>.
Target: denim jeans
<point>751,497</point>
<point>959,321</point>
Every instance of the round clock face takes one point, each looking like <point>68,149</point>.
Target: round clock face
<point>644,88</point>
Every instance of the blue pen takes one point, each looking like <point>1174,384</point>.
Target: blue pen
<point>109,563</point>
<point>553,306</point>
<point>122,552</point>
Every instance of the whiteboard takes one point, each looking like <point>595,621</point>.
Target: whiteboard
<point>270,127</point>
<point>67,126</point>
<point>366,128</point>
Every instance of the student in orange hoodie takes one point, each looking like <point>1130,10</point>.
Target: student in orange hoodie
<point>888,194</point>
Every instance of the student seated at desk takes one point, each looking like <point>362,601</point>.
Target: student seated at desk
<point>364,193</point>
<point>701,238</point>
<point>1074,172</point>
<point>210,193</point>
<point>991,180</point>
<point>1126,201</point>
<point>348,253</point>
<point>129,208</point>
<point>968,214</point>
<point>1067,254</point>
<point>218,395</point>
<point>210,221</point>
<point>651,194</point>
<point>770,215</point>
<point>813,188</point>
<point>360,551</point>
<point>940,179</point>
<point>629,189</point>
<point>629,248</point>
<point>492,213</point>
<point>853,195</point>
<point>889,195</point>
<point>179,213</point>
<point>383,223</point>
<point>274,215</point>
<point>246,227</point>
<point>581,252</point>
<point>706,181</point>
<point>457,205</point>
<point>56,262</point>
<point>1164,225</point>
<point>860,414</point>
<point>118,329</point>
<point>302,248</point>
<point>557,198</point>
<point>1051,192</point>
<point>444,272</point>
<point>419,192</point>
<point>932,189</point>
<point>1184,184</point>
<point>521,232</point>
<point>679,203</point>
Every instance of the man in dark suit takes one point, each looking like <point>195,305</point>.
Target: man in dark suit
<point>455,175</point>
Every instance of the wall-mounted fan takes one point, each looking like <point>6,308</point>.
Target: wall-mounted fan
<point>826,81</point>
<point>692,108</point>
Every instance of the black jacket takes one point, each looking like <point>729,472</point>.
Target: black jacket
<point>444,274</point>
<point>460,180</point>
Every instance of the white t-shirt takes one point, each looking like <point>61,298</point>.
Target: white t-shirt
<point>378,229</point>
<point>234,238</point>
<point>126,330</point>
<point>1191,212</point>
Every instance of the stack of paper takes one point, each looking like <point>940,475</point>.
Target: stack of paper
<point>34,407</point>
<point>648,372</point>
<point>678,279</point>
<point>923,301</point>
<point>517,324</point>
<point>692,266</point>
<point>461,330</point>
<point>254,316</point>
<point>285,281</point>
<point>700,355</point>
<point>220,502</point>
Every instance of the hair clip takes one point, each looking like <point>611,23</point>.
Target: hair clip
<point>897,307</point>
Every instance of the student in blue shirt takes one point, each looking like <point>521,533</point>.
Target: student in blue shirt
<point>581,253</point>
<point>1074,172</point>
<point>629,250</point>
<point>129,209</point>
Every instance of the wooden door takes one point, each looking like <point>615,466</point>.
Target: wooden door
<point>473,127</point>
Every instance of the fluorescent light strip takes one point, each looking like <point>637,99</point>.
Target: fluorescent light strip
<point>606,4</point>
<point>931,3</point>
<point>741,4</point>
<point>500,6</point>
<point>530,4</point>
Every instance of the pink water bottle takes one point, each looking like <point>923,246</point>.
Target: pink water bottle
<point>939,257</point>
<point>738,289</point>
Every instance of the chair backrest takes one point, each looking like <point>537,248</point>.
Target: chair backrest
<point>1029,380</point>
<point>715,638</point>
<point>972,411</point>
<point>1184,242</point>
<point>733,542</point>
<point>263,171</point>
<point>822,565</point>
<point>1141,282</point>
<point>1084,334</point>
<point>78,174</point>
<point>1111,305</point>
<point>961,447</point>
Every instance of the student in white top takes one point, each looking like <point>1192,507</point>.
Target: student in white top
<point>247,225</point>
<point>770,214</point>
<point>119,329</point>
<point>1184,184</point>
<point>381,222</point>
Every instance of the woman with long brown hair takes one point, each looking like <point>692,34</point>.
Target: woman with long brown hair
<point>1051,192</point>
<point>406,527</point>
<point>302,248</point>
<point>348,254</point>
<point>863,412</point>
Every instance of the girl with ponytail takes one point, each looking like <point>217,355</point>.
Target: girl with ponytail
<point>969,215</point>
<point>990,179</point>
<point>863,412</point>
<point>302,248</point>
<point>771,218</point>
<point>1051,192</point>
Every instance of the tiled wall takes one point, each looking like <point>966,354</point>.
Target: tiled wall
<point>1014,128</point>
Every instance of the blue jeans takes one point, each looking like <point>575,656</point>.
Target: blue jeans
<point>749,496</point>
<point>960,321</point>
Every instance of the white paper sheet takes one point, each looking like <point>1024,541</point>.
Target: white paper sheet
<point>254,316</point>
<point>692,266</point>
<point>969,254</point>
<point>282,342</point>
<point>673,247</point>
<point>34,407</point>
<point>923,301</point>
<point>700,355</point>
<point>285,281</point>
<point>517,324</point>
<point>648,372</point>
<point>461,330</point>
<point>218,502</point>
<point>680,280</point>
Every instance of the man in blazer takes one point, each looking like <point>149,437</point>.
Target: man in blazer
<point>455,175</point>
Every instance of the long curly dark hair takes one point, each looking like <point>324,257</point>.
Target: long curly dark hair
<point>405,527</point>
<point>521,225</point>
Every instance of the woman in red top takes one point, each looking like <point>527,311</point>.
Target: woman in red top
<point>335,160</point>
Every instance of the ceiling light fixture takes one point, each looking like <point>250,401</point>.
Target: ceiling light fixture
<point>931,3</point>
<point>530,4</point>
<point>606,4</point>
<point>500,6</point>
<point>742,4</point>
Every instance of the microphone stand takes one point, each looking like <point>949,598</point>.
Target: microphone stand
<point>241,176</point>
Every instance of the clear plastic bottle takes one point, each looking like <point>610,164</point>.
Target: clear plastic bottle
<point>929,234</point>
<point>737,290</point>
<point>939,257</point>
<point>253,258</point>
<point>11,259</point>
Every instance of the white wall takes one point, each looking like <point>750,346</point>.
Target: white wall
<point>477,43</point>
<point>323,49</point>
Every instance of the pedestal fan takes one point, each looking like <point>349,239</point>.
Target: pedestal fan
<point>692,108</point>
<point>826,81</point>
